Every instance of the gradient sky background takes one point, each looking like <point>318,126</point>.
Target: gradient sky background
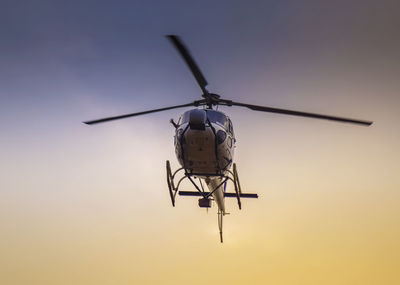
<point>89,204</point>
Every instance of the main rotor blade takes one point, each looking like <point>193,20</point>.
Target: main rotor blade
<point>196,103</point>
<point>175,40</point>
<point>300,113</point>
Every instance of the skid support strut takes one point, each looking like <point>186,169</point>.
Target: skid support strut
<point>238,190</point>
<point>170,182</point>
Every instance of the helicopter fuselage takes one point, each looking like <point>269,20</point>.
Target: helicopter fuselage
<point>204,145</point>
<point>204,142</point>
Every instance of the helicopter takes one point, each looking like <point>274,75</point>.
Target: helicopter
<point>204,143</point>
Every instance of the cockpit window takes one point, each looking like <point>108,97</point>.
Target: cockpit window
<point>216,117</point>
<point>185,117</point>
<point>230,129</point>
<point>213,116</point>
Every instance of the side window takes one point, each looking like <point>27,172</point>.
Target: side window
<point>230,128</point>
<point>216,117</point>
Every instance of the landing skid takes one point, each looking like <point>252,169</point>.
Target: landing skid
<point>205,196</point>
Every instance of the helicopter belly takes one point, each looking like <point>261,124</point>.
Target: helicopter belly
<point>199,152</point>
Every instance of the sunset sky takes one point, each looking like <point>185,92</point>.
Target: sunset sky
<point>90,205</point>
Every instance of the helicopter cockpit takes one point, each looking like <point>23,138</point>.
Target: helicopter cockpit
<point>212,116</point>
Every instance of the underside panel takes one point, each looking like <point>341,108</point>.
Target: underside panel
<point>218,194</point>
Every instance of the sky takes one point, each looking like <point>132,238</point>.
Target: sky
<point>89,204</point>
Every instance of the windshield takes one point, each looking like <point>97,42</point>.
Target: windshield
<point>216,117</point>
<point>185,117</point>
<point>213,116</point>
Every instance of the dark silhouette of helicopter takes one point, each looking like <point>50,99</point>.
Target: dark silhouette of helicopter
<point>205,142</point>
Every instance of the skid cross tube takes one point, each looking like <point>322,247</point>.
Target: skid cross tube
<point>226,194</point>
